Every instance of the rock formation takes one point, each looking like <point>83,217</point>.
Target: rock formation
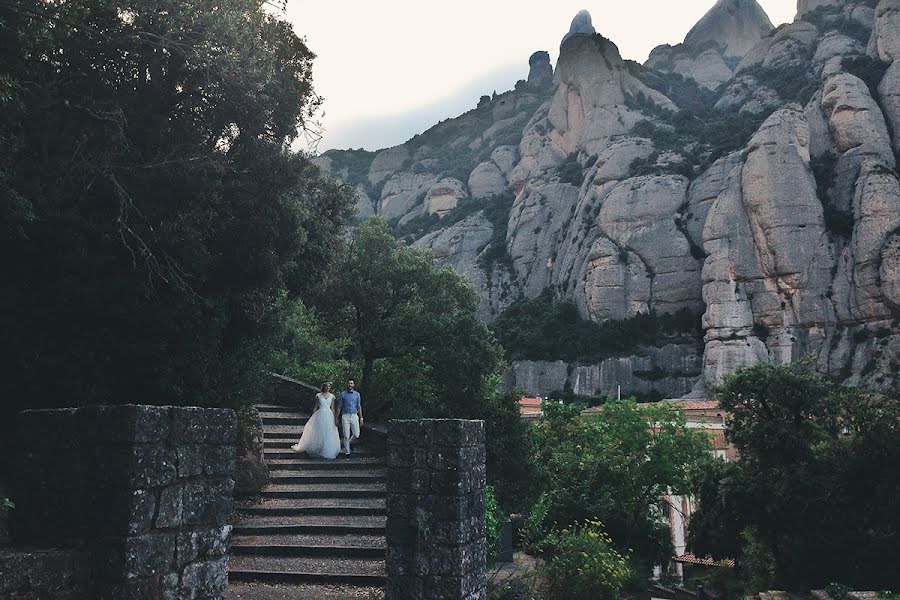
<point>747,177</point>
<point>715,44</point>
<point>540,71</point>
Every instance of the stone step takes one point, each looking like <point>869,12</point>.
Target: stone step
<point>272,569</point>
<point>333,524</point>
<point>303,591</point>
<point>287,431</point>
<point>324,476</point>
<point>327,490</point>
<point>309,546</point>
<point>279,453</point>
<point>269,419</point>
<point>303,410</point>
<point>313,507</point>
<point>300,463</point>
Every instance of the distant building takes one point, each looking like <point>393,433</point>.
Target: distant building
<point>677,510</point>
<point>530,407</point>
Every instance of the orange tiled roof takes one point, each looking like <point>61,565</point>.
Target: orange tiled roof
<point>691,559</point>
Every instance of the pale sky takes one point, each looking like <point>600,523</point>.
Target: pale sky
<point>389,69</point>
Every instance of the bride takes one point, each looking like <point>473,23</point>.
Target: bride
<point>320,434</point>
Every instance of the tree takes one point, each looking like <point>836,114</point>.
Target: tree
<point>151,208</point>
<point>615,466</point>
<point>401,308</point>
<point>812,498</point>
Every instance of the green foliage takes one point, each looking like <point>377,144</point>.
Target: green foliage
<point>155,210</point>
<point>7,504</point>
<point>837,222</point>
<point>571,171</point>
<point>614,467</point>
<point>584,564</point>
<point>513,589</point>
<point>545,328</point>
<point>351,165</point>
<point>509,447</point>
<point>494,520</point>
<point>396,305</point>
<point>870,70</point>
<point>817,476</point>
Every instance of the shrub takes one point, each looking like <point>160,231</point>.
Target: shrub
<point>571,171</point>
<point>870,70</point>
<point>546,328</point>
<point>584,565</point>
<point>494,519</point>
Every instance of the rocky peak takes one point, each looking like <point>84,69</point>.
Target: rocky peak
<point>807,6</point>
<point>735,25</point>
<point>580,24</point>
<point>540,73</point>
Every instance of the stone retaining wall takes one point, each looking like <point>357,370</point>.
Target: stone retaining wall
<point>436,547</point>
<point>143,490</point>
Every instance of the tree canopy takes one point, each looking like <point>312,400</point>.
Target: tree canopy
<point>151,208</point>
<point>414,323</point>
<point>615,466</point>
<point>813,497</point>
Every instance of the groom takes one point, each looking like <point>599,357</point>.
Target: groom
<point>350,406</point>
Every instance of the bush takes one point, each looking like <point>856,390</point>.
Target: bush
<point>584,565</point>
<point>494,519</point>
<point>545,328</point>
<point>870,70</point>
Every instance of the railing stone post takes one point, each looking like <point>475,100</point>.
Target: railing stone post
<point>144,490</point>
<point>436,547</point>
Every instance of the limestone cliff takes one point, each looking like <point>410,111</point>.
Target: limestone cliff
<point>715,45</point>
<point>746,178</point>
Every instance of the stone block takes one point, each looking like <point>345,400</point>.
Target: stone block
<point>134,557</point>
<point>171,507</point>
<point>438,587</point>
<point>155,587</point>
<point>206,501</point>
<point>133,467</point>
<point>119,512</point>
<point>128,424</point>
<point>446,457</point>
<point>42,573</point>
<point>196,460</point>
<point>204,579</point>
<point>403,432</point>
<point>400,457</point>
<point>457,482</point>
<point>202,544</point>
<point>457,432</point>
<point>192,425</point>
<point>52,429</point>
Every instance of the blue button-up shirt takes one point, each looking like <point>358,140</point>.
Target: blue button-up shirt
<point>349,402</point>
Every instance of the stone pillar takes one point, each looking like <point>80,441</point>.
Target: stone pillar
<point>436,546</point>
<point>145,490</point>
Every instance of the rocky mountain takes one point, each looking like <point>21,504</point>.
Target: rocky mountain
<point>734,199</point>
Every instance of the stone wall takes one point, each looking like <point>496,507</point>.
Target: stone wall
<point>43,574</point>
<point>436,546</point>
<point>144,491</point>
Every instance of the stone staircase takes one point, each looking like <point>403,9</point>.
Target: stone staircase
<point>318,529</point>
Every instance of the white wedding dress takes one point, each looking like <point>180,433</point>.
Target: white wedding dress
<point>320,434</point>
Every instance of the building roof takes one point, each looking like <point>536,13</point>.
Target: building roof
<point>708,561</point>
<point>684,404</point>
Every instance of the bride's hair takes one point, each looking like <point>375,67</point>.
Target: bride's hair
<point>325,385</point>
